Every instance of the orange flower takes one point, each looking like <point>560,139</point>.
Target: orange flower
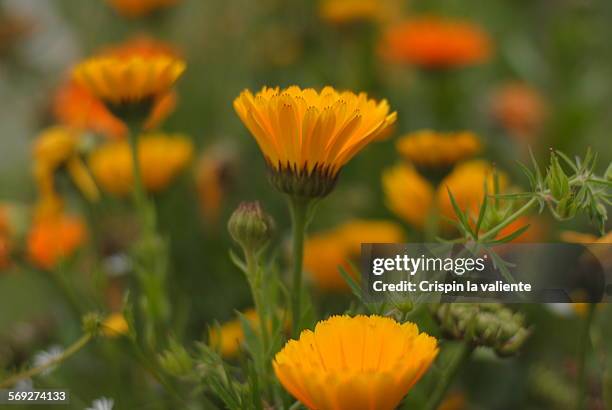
<point>408,194</point>
<point>5,252</point>
<point>141,46</point>
<point>519,108</point>
<point>212,174</point>
<point>139,8</point>
<point>436,42</point>
<point>55,238</point>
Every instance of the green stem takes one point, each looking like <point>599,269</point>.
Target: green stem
<point>298,208</point>
<point>519,212</point>
<point>256,283</point>
<point>72,349</point>
<point>583,349</point>
<point>464,352</point>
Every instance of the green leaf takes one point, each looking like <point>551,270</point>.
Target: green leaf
<point>460,215</point>
<point>483,209</point>
<point>510,237</point>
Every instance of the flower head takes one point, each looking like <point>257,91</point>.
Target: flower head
<point>355,363</point>
<point>213,177</point>
<point>54,238</point>
<point>115,325</point>
<point>325,252</point>
<point>436,42</point>
<point>519,108</point>
<point>116,79</point>
<point>408,194</point>
<point>139,8</point>
<point>307,136</point>
<point>228,337</point>
<point>349,11</point>
<point>161,157</point>
<point>431,149</point>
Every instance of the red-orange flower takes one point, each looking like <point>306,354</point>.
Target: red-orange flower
<point>54,238</point>
<point>436,42</point>
<point>519,108</point>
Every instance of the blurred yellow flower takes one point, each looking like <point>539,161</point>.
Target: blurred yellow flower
<point>408,194</point>
<point>211,182</point>
<point>115,325</point>
<point>139,8</point>
<point>431,149</point>
<point>161,158</point>
<point>53,239</point>
<point>348,11</point>
<point>228,337</point>
<point>324,252</point>
<point>56,147</point>
<point>355,363</point>
<point>520,108</point>
<point>466,183</point>
<point>436,42</point>
<point>117,79</point>
<point>307,136</point>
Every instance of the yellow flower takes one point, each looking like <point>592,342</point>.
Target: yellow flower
<point>228,337</point>
<point>117,79</point>
<point>466,183</point>
<point>139,8</point>
<point>56,147</point>
<point>324,252</point>
<point>433,149</point>
<point>408,194</point>
<point>307,136</point>
<point>115,325</point>
<point>161,157</point>
<point>355,363</point>
<point>212,174</point>
<point>348,11</point>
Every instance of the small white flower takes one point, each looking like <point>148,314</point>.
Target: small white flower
<point>43,357</point>
<point>103,403</point>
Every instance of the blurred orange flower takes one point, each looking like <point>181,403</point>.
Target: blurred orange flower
<point>54,238</point>
<point>307,136</point>
<point>408,194</point>
<point>212,174</point>
<point>350,11</point>
<point>5,244</point>
<point>115,325</point>
<point>162,157</point>
<point>324,252</point>
<point>139,8</point>
<point>520,108</point>
<point>431,149</point>
<point>141,46</point>
<point>436,42</point>
<point>228,337</point>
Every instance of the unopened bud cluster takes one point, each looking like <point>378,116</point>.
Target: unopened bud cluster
<point>488,324</point>
<point>250,226</point>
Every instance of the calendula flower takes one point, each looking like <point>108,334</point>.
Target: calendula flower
<point>228,337</point>
<point>325,252</point>
<point>408,194</point>
<point>355,363</point>
<point>139,8</point>
<point>307,136</point>
<point>55,238</point>
<point>520,108</point>
<point>436,42</point>
<point>116,79</point>
<point>161,158</point>
<point>115,325</point>
<point>350,11</point>
<point>466,183</point>
<point>213,175</point>
<point>141,46</point>
<point>431,149</point>
<point>56,147</point>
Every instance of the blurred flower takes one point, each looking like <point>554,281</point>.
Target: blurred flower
<point>431,149</point>
<point>161,158</point>
<point>139,8</point>
<point>117,79</point>
<point>251,227</point>
<point>103,403</point>
<point>56,147</point>
<point>520,108</point>
<point>466,183</point>
<point>115,325</point>
<point>324,252</point>
<point>212,177</point>
<point>227,338</point>
<point>436,42</point>
<point>408,194</point>
<point>307,136</point>
<point>54,238</point>
<point>483,324</point>
<point>350,11</point>
<point>353,363</point>
<point>142,46</point>
<point>535,232</point>
<point>45,357</point>
<point>5,243</point>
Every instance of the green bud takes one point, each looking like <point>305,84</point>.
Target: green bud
<point>250,226</point>
<point>91,323</point>
<point>557,181</point>
<point>488,324</point>
<point>176,360</point>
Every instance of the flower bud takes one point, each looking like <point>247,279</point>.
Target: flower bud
<point>176,360</point>
<point>488,324</point>
<point>250,226</point>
